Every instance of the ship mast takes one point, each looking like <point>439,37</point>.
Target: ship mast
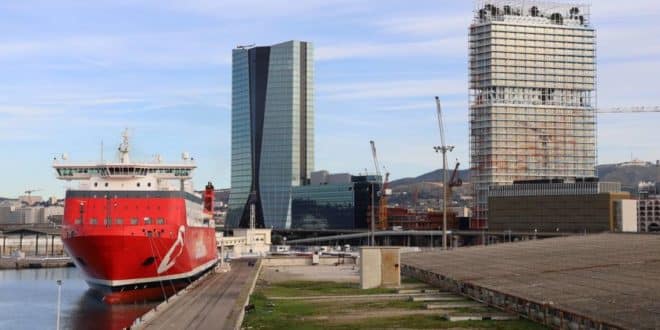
<point>124,148</point>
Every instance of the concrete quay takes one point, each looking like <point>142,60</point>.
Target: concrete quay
<point>605,281</point>
<point>216,301</point>
<point>35,262</point>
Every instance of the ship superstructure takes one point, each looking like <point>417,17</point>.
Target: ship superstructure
<point>137,231</point>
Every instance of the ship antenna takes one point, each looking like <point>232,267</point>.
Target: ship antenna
<point>124,148</point>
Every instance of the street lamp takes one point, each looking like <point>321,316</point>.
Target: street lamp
<point>373,215</point>
<point>59,297</point>
<point>444,150</point>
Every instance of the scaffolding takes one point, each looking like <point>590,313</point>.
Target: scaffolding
<point>532,94</point>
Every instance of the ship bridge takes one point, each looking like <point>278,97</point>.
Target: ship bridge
<point>127,175</point>
<point>72,171</point>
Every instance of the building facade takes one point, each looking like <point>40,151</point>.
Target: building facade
<point>407,219</point>
<point>339,201</point>
<point>272,131</point>
<point>532,94</point>
<point>648,207</point>
<point>555,205</point>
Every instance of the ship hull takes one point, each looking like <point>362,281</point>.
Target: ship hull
<point>130,261</point>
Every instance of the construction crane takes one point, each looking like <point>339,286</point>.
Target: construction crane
<point>29,195</point>
<point>30,191</point>
<point>373,198</point>
<point>382,206</point>
<point>455,181</point>
<point>637,109</point>
<point>382,209</point>
<point>444,148</point>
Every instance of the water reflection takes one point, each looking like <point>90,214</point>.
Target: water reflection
<point>91,313</point>
<point>28,300</point>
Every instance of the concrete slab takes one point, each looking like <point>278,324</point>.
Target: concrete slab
<point>441,297</point>
<point>212,304</point>
<point>604,279</point>
<point>450,305</point>
<point>423,290</point>
<point>479,317</point>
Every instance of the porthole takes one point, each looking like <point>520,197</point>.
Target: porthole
<point>138,184</point>
<point>148,184</point>
<point>96,184</point>
<point>106,184</point>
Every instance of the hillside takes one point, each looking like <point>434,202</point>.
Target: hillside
<point>426,186</point>
<point>629,176</point>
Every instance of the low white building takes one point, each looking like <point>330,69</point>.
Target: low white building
<point>625,216</point>
<point>245,243</point>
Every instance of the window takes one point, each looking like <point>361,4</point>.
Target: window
<point>147,221</point>
<point>134,221</point>
<point>93,221</point>
<point>148,184</point>
<point>78,221</point>
<point>96,184</point>
<point>119,221</point>
<point>107,221</point>
<point>106,184</point>
<point>160,221</point>
<point>138,184</point>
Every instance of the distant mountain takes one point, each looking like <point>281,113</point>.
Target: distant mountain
<point>433,176</point>
<point>629,176</point>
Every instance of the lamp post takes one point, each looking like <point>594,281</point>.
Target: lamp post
<point>59,297</point>
<point>373,215</point>
<point>444,150</point>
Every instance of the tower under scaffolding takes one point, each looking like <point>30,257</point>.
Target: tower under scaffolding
<point>532,94</point>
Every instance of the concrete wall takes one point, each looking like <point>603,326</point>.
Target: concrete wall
<point>29,246</point>
<point>570,213</point>
<point>370,271</point>
<point>305,261</point>
<point>390,267</point>
<point>626,215</point>
<point>379,267</point>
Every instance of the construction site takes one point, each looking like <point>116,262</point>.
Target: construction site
<point>532,94</point>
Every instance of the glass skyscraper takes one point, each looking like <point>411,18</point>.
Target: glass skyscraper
<point>272,131</point>
<point>532,94</point>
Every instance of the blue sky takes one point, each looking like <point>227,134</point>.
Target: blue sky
<point>74,73</point>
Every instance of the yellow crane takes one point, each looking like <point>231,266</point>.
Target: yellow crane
<point>383,193</point>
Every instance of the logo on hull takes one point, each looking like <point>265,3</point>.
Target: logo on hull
<point>169,261</point>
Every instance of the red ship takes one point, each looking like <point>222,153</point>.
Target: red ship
<point>137,231</point>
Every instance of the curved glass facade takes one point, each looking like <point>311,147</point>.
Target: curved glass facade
<point>272,131</point>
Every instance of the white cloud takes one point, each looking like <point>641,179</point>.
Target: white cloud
<point>630,83</point>
<point>391,89</point>
<point>603,11</point>
<point>453,46</point>
<point>630,41</point>
<point>145,50</point>
<point>266,9</point>
<point>427,25</point>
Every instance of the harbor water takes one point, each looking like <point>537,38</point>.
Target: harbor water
<point>28,300</point>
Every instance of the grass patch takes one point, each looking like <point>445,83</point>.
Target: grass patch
<point>271,314</point>
<point>308,288</point>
